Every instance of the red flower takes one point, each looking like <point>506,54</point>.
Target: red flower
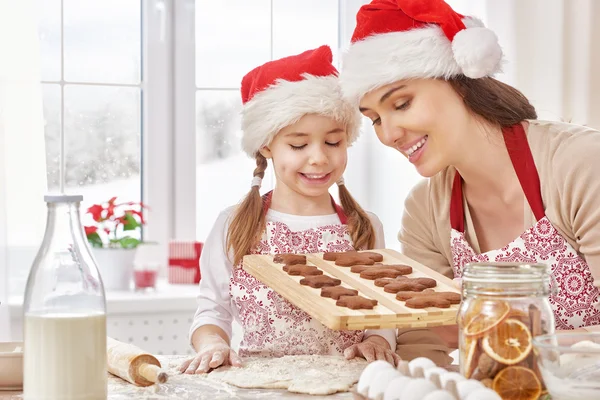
<point>96,211</point>
<point>139,214</point>
<point>90,229</point>
<point>111,207</point>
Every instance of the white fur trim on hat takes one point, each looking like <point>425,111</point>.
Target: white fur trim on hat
<point>425,52</point>
<point>285,102</point>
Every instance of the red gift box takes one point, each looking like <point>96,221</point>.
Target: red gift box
<point>184,262</point>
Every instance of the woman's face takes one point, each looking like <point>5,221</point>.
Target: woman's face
<point>424,119</point>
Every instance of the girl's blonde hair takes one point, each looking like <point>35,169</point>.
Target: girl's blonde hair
<point>249,222</point>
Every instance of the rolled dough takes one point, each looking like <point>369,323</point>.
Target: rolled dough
<point>308,374</point>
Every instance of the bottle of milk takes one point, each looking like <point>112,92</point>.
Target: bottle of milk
<point>64,312</point>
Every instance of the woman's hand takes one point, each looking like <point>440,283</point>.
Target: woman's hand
<point>212,353</point>
<point>373,348</point>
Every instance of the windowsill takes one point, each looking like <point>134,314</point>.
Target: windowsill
<point>165,298</point>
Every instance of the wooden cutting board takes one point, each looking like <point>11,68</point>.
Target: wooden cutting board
<point>389,312</point>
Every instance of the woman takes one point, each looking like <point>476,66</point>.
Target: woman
<point>423,74</point>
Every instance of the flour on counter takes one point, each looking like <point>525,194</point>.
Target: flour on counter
<point>315,375</point>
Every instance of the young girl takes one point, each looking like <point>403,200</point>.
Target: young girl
<point>293,115</point>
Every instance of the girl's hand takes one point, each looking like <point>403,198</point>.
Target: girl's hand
<point>371,349</point>
<point>212,354</point>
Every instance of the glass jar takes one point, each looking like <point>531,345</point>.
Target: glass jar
<point>64,312</point>
<point>504,306</point>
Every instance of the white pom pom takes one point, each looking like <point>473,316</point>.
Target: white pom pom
<point>477,52</point>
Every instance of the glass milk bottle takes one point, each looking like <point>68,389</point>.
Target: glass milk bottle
<point>64,313</point>
<point>505,305</point>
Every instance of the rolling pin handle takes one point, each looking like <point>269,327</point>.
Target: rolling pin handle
<point>153,373</point>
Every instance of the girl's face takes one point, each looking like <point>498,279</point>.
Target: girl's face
<point>424,119</point>
<point>310,155</point>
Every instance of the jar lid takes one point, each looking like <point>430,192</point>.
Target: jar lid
<point>507,278</point>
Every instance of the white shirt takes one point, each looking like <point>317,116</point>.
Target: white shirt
<point>215,305</point>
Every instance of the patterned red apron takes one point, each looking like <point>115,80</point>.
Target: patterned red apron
<point>575,300</point>
<point>272,326</point>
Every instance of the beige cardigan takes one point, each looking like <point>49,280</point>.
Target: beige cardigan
<point>567,158</point>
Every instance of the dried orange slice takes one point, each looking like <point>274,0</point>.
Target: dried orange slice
<point>517,383</point>
<point>509,343</point>
<point>486,315</point>
<point>470,360</point>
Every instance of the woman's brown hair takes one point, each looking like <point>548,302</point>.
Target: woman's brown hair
<point>498,103</point>
<point>248,223</point>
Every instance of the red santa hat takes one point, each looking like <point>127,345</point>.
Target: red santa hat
<point>401,39</point>
<point>280,92</point>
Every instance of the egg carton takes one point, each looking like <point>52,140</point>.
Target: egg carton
<point>419,379</point>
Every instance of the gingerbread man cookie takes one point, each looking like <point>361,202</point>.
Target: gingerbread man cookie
<point>427,282</point>
<point>405,295</point>
<point>403,285</point>
<point>437,299</point>
<point>356,302</point>
<point>335,292</point>
<point>380,272</point>
<point>405,269</point>
<point>349,258</point>
<point>289,259</point>
<point>452,297</point>
<point>301,269</point>
<point>319,281</point>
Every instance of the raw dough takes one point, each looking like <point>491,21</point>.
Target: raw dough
<point>316,375</point>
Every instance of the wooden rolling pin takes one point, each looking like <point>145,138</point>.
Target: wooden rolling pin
<point>133,364</point>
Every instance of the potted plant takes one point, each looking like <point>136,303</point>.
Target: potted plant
<point>114,234</point>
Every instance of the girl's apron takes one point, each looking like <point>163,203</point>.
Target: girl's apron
<point>575,299</point>
<point>272,326</point>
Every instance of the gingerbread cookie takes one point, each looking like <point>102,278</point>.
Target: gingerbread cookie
<point>331,256</point>
<point>405,269</point>
<point>452,297</point>
<point>349,258</point>
<point>335,292</point>
<point>403,285</point>
<point>437,299</point>
<point>427,282</point>
<point>427,301</point>
<point>356,302</point>
<point>289,259</point>
<point>380,272</point>
<point>405,295</point>
<point>301,269</point>
<point>319,281</point>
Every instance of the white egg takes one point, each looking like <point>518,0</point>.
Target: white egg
<point>422,362</point>
<point>371,370</point>
<point>467,386</point>
<point>439,395</point>
<point>451,376</point>
<point>418,388</point>
<point>395,388</point>
<point>380,382</point>
<point>483,394</point>
<point>435,370</point>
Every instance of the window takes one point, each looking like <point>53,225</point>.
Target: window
<point>86,76</point>
<point>91,80</point>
